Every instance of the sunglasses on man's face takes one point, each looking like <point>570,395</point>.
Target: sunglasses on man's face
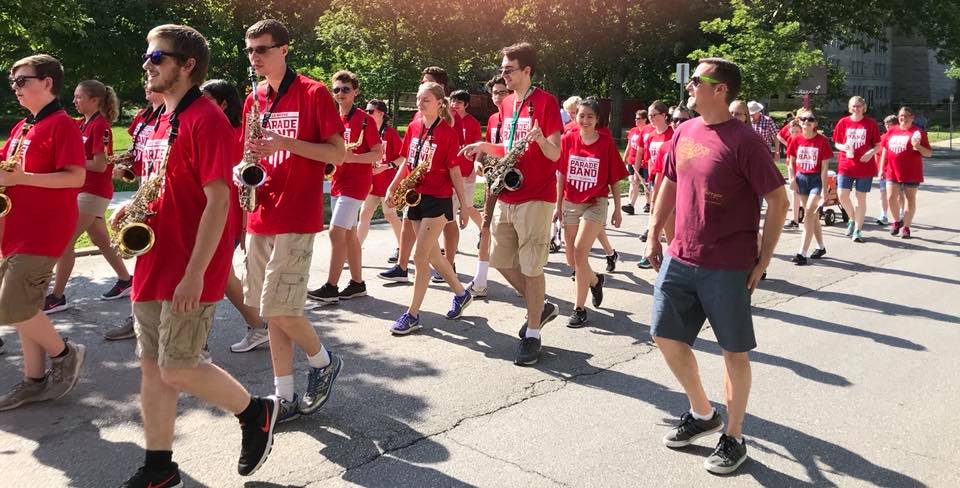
<point>156,57</point>
<point>698,79</point>
<point>502,92</point>
<point>807,119</point>
<point>261,50</point>
<point>21,80</point>
<point>342,89</point>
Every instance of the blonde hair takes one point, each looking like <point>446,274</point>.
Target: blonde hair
<point>109,104</point>
<point>857,98</point>
<point>571,103</point>
<point>436,90</point>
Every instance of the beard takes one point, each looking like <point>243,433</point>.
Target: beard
<point>692,103</point>
<point>161,83</point>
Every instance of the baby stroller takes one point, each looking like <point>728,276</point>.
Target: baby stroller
<point>830,199</point>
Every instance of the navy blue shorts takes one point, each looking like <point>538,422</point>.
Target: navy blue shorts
<point>862,185</point>
<point>684,296</point>
<point>809,183</point>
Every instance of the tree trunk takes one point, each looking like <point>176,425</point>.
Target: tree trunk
<point>616,102</point>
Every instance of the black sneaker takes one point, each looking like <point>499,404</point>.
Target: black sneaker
<point>327,293</point>
<point>52,304</point>
<point>818,253</point>
<point>396,273</point>
<point>596,291</point>
<point>395,256</point>
<point>573,276</point>
<point>643,237</point>
<point>577,319</point>
<point>690,429</point>
<point>354,290</point>
<point>120,289</point>
<point>612,261</point>
<point>792,224</point>
<point>151,478</point>
<point>727,457</point>
<point>628,209</point>
<point>258,437</point>
<point>529,351</point>
<point>646,208</point>
<point>550,312</point>
<point>800,260</point>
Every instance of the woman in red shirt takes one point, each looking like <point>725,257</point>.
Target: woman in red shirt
<point>590,169</point>
<point>660,137</point>
<point>889,122</point>
<point>806,154</point>
<point>857,139</point>
<point>99,107</point>
<point>632,157</point>
<point>383,173</point>
<point>430,139</point>
<point>904,148</point>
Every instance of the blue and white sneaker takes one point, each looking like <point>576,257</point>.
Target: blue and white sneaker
<point>396,273</point>
<point>320,384</point>
<point>460,303</point>
<point>405,324</point>
<point>288,410</point>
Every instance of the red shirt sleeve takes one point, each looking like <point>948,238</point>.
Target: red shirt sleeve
<point>565,142</point>
<point>370,135</point>
<point>394,144</point>
<point>552,123</point>
<point>840,131</point>
<point>328,118</point>
<point>213,152</point>
<point>792,147</point>
<point>617,170</point>
<point>826,152</point>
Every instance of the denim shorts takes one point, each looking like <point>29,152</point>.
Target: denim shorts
<point>883,184</point>
<point>685,295</point>
<point>809,183</point>
<point>862,185</point>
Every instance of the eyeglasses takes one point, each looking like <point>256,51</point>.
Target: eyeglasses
<point>678,121</point>
<point>156,57</point>
<point>261,50</point>
<point>807,119</point>
<point>21,80</point>
<point>342,89</point>
<point>502,92</point>
<point>697,80</point>
<point>740,114</point>
<point>508,70</point>
<point>371,111</point>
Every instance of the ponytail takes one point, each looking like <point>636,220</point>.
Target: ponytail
<point>109,104</point>
<point>445,113</point>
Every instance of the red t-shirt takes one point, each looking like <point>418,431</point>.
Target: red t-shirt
<point>589,169</point>
<point>495,128</point>
<point>469,132</point>
<point>634,145</point>
<point>199,156</point>
<point>42,220</point>
<point>809,153</point>
<point>140,120</point>
<point>570,126</point>
<point>651,150</point>
<point>291,200</point>
<point>539,172</point>
<point>354,179</point>
<point>391,151</point>
<point>721,171</point>
<point>97,138</point>
<point>442,147</point>
<point>784,132</point>
<point>864,135</point>
<point>904,163</point>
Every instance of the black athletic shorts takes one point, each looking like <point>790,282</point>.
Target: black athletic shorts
<point>430,207</point>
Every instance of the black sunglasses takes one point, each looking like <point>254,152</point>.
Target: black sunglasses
<point>21,80</point>
<point>156,57</point>
<point>261,50</point>
<point>371,111</point>
<point>807,119</point>
<point>342,89</point>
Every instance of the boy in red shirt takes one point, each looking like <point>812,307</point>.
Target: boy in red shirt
<point>40,203</point>
<point>632,156</point>
<point>349,186</point>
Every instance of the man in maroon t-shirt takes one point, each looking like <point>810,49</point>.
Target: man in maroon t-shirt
<point>717,170</point>
<point>521,221</point>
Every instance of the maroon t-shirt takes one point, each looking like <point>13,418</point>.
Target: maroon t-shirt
<point>721,171</point>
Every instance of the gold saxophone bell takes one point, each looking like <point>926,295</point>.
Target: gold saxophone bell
<point>128,176</point>
<point>134,240</point>
<point>512,179</point>
<point>330,169</point>
<point>253,175</point>
<point>5,205</point>
<point>412,197</point>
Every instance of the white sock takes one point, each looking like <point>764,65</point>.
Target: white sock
<point>284,387</point>
<point>480,279</point>
<point>703,417</point>
<point>320,359</point>
<point>532,333</point>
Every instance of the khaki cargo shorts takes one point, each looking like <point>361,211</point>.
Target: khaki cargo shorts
<point>521,234</point>
<point>23,283</point>
<point>276,273</point>
<point>175,341</point>
<point>595,211</point>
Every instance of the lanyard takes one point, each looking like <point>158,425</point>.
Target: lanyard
<point>288,78</point>
<point>416,158</point>
<point>499,138</point>
<point>516,116</point>
<point>85,123</point>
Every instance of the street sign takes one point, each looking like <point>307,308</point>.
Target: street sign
<point>683,73</point>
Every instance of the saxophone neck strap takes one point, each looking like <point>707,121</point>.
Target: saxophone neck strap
<point>86,122</point>
<point>516,116</point>
<point>288,77</point>
<point>51,108</point>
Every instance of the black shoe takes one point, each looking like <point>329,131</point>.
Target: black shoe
<point>394,257</point>
<point>258,437</point>
<point>763,276</point>
<point>120,289</point>
<point>150,478</point>
<point>690,429</point>
<point>800,260</point>
<point>354,290</point>
<point>327,293</point>
<point>397,274</point>
<point>577,319</point>
<point>550,312</point>
<point>628,209</point>
<point>612,261</point>
<point>643,237</point>
<point>596,291</point>
<point>792,224</point>
<point>646,208</point>
<point>727,457</point>
<point>573,276</point>
<point>818,253</point>
<point>529,351</point>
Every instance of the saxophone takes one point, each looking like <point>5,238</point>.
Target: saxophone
<point>124,162</point>
<point>252,174</point>
<point>330,169</point>
<point>135,237</point>
<point>8,165</point>
<point>406,193</point>
<point>502,173</point>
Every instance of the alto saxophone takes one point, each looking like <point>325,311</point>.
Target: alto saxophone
<point>502,173</point>
<point>330,169</point>
<point>406,193</point>
<point>135,237</point>
<point>124,162</point>
<point>252,174</point>
<point>8,165</point>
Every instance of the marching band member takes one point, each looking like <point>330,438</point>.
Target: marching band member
<point>383,173</point>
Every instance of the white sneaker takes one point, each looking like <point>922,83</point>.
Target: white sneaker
<point>256,336</point>
<point>477,291</point>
